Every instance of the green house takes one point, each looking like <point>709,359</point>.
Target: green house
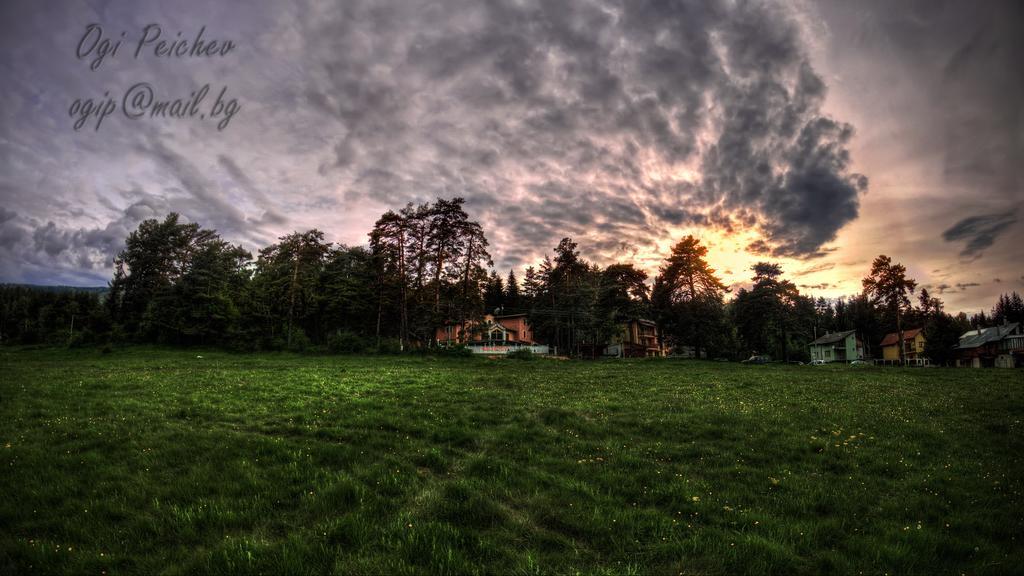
<point>837,347</point>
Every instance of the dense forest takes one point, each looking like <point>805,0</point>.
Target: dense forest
<point>177,283</point>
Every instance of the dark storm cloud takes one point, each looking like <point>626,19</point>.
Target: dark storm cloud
<point>94,247</point>
<point>779,158</point>
<point>39,252</point>
<point>936,90</point>
<point>979,232</point>
<point>10,232</point>
<point>593,97</point>
<point>614,121</point>
<point>50,240</point>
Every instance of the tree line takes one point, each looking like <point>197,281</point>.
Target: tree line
<point>427,265</point>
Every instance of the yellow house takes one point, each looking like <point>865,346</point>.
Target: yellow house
<point>913,345</point>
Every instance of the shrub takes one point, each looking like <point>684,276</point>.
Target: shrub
<point>522,354</point>
<point>389,346</point>
<point>459,351</point>
<point>345,342</point>
<point>300,342</point>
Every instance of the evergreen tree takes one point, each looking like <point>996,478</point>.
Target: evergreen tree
<point>941,331</point>
<point>773,316</point>
<point>56,316</point>
<point>286,281</point>
<point>1008,309</point>
<point>347,282</point>
<point>562,313</point>
<point>389,249</point>
<point>532,289</point>
<point>474,263</point>
<point>205,305</point>
<point>446,245</point>
<point>622,296</point>
<point>888,284</point>
<point>512,297</point>
<point>687,298</point>
<point>177,282</point>
<point>494,294</point>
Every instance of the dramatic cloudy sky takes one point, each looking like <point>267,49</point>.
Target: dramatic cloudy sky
<point>817,134</point>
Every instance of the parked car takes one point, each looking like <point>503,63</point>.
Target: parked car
<point>859,363</point>
<point>817,363</point>
<point>756,360</point>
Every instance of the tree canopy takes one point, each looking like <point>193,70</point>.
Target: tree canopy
<point>427,265</point>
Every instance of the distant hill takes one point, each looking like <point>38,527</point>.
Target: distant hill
<point>49,288</point>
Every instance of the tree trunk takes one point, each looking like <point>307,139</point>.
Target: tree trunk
<point>438,266</point>
<point>291,305</point>
<point>380,307</point>
<point>465,289</point>
<point>404,320</point>
<point>899,333</point>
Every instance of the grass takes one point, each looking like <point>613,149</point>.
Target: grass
<point>154,461</point>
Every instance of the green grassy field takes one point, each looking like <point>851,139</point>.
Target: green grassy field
<point>152,461</point>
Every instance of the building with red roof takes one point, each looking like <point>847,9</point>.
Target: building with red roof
<point>913,345</point>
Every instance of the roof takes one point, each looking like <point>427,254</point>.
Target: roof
<point>833,337</point>
<point>891,338</point>
<point>982,336</point>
